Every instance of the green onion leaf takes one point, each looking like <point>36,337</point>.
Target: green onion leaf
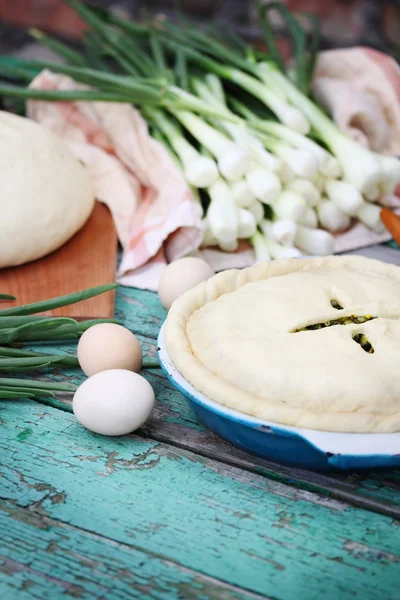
<point>298,38</point>
<point>269,37</point>
<point>29,309</point>
<point>158,52</point>
<point>150,363</point>
<point>94,53</point>
<point>314,46</point>
<point>61,95</point>
<point>21,364</point>
<point>73,57</point>
<point>11,383</point>
<point>17,354</point>
<point>9,394</point>
<point>181,69</point>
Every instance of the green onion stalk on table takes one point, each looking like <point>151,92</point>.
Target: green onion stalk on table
<point>22,324</point>
<point>263,161</point>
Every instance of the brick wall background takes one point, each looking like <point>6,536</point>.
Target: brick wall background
<point>344,22</point>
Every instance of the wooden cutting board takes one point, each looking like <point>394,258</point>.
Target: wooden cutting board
<point>87,260</point>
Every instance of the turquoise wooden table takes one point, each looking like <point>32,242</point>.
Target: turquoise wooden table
<point>173,512</point>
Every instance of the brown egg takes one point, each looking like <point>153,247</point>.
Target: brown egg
<point>180,276</point>
<point>108,346</point>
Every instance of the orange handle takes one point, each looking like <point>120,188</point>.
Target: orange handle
<point>392,223</point>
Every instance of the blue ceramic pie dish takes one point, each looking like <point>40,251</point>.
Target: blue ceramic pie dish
<point>305,448</point>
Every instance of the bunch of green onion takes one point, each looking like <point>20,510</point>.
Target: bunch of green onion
<point>263,161</point>
<point>22,324</point>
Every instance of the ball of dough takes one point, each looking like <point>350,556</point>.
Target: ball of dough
<point>180,276</point>
<point>46,193</point>
<point>108,346</point>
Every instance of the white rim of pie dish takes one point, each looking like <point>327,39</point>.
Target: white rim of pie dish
<point>355,444</point>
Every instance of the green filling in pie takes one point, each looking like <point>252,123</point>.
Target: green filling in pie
<point>361,339</point>
<point>357,320</point>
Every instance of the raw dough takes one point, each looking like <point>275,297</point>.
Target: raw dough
<point>232,338</point>
<point>46,194</point>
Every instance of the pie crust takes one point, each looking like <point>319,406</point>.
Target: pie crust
<point>236,338</point>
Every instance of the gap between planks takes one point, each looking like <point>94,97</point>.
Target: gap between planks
<point>296,522</point>
<point>209,445</point>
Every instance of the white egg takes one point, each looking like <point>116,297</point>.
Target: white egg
<point>108,346</point>
<point>180,276</point>
<point>114,402</point>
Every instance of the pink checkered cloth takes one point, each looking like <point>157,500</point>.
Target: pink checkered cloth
<point>151,204</point>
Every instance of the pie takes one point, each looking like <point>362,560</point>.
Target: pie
<point>311,343</point>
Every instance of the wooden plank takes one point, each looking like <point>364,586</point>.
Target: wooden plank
<point>175,423</point>
<point>46,559</point>
<point>238,527</point>
<point>89,259</point>
<point>375,491</point>
<point>140,310</point>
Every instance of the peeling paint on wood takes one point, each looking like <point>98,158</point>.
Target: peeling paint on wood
<point>238,527</point>
<point>174,422</point>
<point>43,558</point>
<point>179,513</point>
<point>141,311</point>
